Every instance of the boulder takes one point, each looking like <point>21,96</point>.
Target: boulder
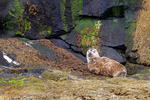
<point>102,8</point>
<point>8,60</point>
<point>45,17</point>
<point>112,32</point>
<point>112,54</point>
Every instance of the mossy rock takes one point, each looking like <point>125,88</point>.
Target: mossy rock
<point>85,34</point>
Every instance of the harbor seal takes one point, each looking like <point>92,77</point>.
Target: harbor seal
<point>103,65</point>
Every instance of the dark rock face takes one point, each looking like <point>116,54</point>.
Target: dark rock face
<point>112,54</point>
<point>112,32</point>
<point>77,49</point>
<point>4,7</point>
<point>68,15</point>
<point>101,8</point>
<point>56,16</point>
<point>73,49</point>
<point>96,7</point>
<point>33,32</point>
<point>41,13</point>
<point>71,38</point>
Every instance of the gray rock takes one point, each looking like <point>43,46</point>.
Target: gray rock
<point>78,55</point>
<point>44,51</point>
<point>71,38</point>
<point>98,8</point>
<point>112,32</point>
<point>3,61</point>
<point>112,54</point>
<point>77,49</point>
<point>60,43</point>
<point>68,15</point>
<point>8,60</point>
<point>5,6</point>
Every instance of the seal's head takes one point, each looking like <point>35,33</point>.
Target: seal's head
<point>91,53</point>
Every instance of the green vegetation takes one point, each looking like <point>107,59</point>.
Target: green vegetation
<point>14,82</point>
<point>116,11</point>
<point>56,76</point>
<point>88,30</point>
<point>24,40</point>
<point>113,89</point>
<point>76,9</point>
<point>63,14</point>
<point>16,22</point>
<point>115,20</point>
<point>45,29</point>
<point>130,28</point>
<point>23,26</point>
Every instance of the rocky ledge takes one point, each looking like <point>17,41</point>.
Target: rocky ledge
<point>39,70</point>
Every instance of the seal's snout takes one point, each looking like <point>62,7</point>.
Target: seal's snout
<point>90,54</point>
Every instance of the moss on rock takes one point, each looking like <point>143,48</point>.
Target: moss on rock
<point>88,30</point>
<point>16,22</point>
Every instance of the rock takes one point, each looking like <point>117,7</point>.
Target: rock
<point>112,54</point>
<point>132,57</point>
<point>71,38</point>
<point>73,50</point>
<point>5,60</point>
<point>44,51</point>
<point>4,7</point>
<point>56,16</point>
<point>78,55</point>
<point>68,15</point>
<point>33,33</point>
<point>101,8</point>
<point>45,17</point>
<point>76,49</point>
<point>60,43</point>
<point>131,16</point>
<point>112,32</point>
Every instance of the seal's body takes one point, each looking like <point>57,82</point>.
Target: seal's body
<point>103,65</point>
